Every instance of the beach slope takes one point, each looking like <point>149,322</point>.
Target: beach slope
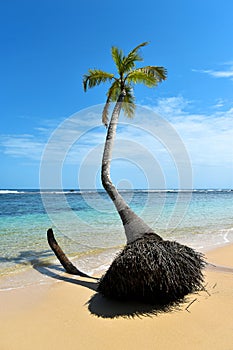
<point>70,315</point>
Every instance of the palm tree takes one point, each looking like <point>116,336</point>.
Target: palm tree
<point>148,268</point>
<point>121,92</point>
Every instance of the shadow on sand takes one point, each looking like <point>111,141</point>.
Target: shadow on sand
<point>100,306</point>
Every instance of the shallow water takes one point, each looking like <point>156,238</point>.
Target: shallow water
<point>90,231</point>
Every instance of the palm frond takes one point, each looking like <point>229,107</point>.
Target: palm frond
<point>128,75</point>
<point>160,73</point>
<point>128,105</point>
<point>149,75</point>
<point>114,91</point>
<point>136,77</point>
<point>135,50</point>
<point>117,56</point>
<point>112,95</point>
<point>95,77</point>
<point>129,61</point>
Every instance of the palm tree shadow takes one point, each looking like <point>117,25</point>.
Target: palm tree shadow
<point>98,305</point>
<point>103,307</point>
<point>26,257</point>
<point>48,271</point>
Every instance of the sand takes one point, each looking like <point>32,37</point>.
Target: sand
<point>70,315</point>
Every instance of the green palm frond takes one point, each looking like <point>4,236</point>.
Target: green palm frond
<point>160,73</point>
<point>128,76</point>
<point>112,95</point>
<point>149,75</point>
<point>128,105</point>
<point>129,61</point>
<point>136,77</point>
<point>95,77</point>
<point>117,56</point>
<point>114,91</point>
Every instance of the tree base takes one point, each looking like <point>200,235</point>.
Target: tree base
<point>152,271</point>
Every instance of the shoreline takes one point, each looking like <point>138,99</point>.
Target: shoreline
<point>70,314</point>
<point>93,264</point>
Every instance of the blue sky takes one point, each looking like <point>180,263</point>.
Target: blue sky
<point>47,46</point>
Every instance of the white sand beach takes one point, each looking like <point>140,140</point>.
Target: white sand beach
<point>70,315</point>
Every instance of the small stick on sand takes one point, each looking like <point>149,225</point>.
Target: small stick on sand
<point>190,304</point>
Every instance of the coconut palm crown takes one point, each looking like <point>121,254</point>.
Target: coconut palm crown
<point>121,92</point>
<point>128,75</point>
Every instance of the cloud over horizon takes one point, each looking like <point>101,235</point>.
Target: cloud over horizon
<point>208,139</point>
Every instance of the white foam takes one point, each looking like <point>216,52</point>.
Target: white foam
<point>10,191</point>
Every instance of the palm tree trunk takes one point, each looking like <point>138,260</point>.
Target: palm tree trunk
<point>66,263</point>
<point>134,226</point>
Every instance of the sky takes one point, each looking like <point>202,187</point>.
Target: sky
<point>51,134</point>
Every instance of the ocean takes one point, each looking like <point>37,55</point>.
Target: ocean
<point>89,230</point>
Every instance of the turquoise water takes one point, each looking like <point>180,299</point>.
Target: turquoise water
<point>89,229</point>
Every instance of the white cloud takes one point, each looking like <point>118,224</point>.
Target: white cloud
<point>147,142</point>
<point>207,137</point>
<point>218,73</point>
<point>209,140</point>
<point>22,146</point>
<point>219,103</point>
<point>170,106</point>
<point>78,127</point>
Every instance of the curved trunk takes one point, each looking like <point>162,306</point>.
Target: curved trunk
<point>66,263</point>
<point>134,226</point>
